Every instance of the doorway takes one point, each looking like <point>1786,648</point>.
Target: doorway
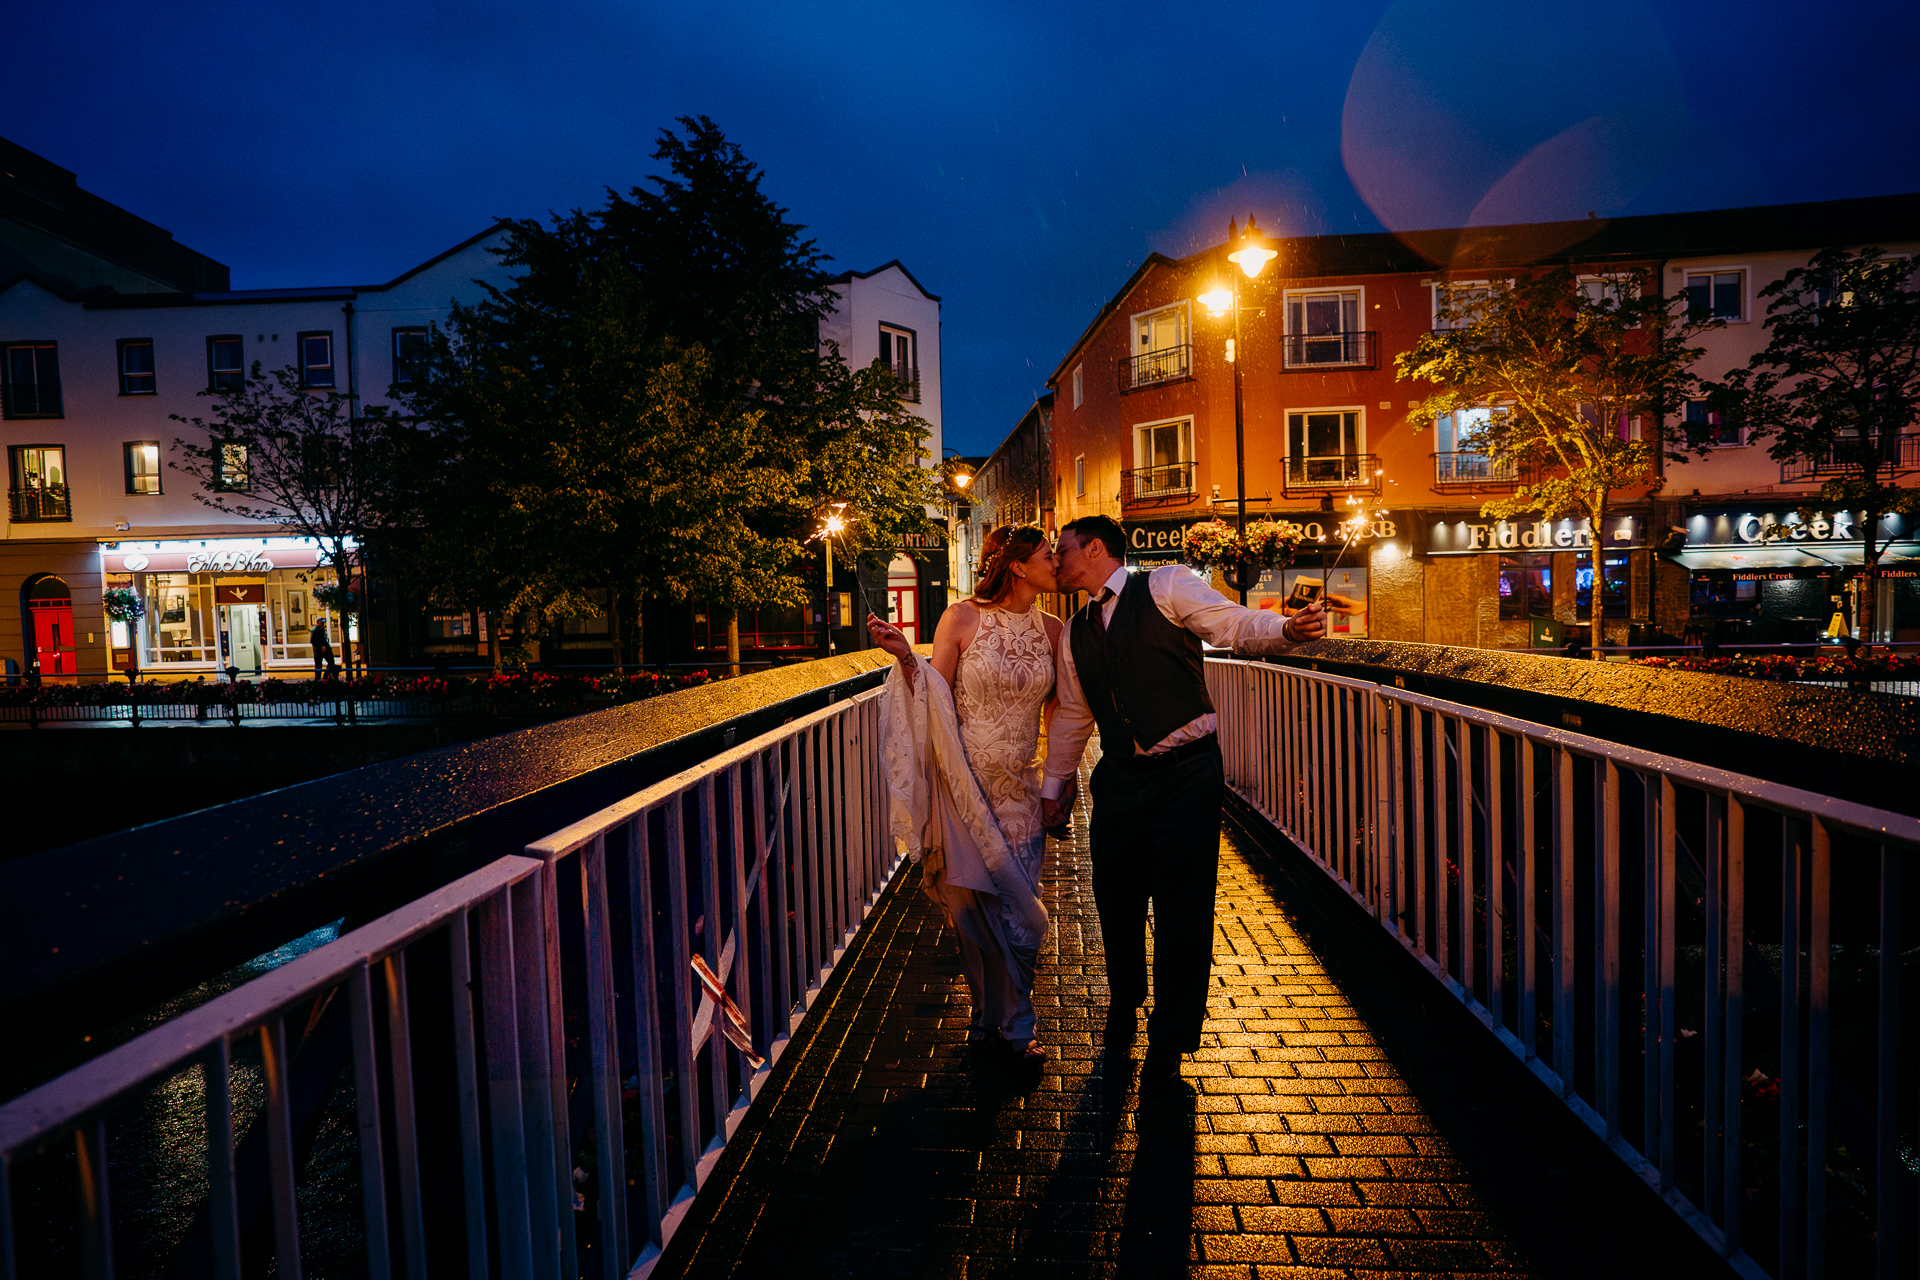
<point>240,634</point>
<point>903,597</point>
<point>50,609</point>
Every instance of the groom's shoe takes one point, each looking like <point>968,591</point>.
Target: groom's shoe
<point>1161,1070</point>
<point>1122,1023</point>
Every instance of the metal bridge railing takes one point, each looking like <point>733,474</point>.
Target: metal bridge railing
<point>610,1003</point>
<point>1662,943</point>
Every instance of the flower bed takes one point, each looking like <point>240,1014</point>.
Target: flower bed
<point>1835,666</point>
<point>545,690</point>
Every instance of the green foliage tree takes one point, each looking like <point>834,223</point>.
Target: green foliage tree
<point>297,458</point>
<point>1575,375</point>
<point>646,408</point>
<point>1837,386</point>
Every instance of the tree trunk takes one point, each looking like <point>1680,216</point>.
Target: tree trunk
<point>1863,616</point>
<point>733,642</point>
<point>1597,605</point>
<point>493,641</point>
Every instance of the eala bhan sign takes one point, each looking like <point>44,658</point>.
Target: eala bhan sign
<point>1465,537</point>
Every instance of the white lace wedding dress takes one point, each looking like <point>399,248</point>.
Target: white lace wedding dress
<point>1005,678</point>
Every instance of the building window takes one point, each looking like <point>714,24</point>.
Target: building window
<point>1079,385</point>
<point>1615,600</point>
<point>1611,290</point>
<point>1324,328</point>
<point>316,359</point>
<point>136,367</point>
<point>409,348</point>
<point>143,466</point>
<point>1080,476</point>
<point>226,363</point>
<point>1707,427</point>
<point>1718,295</point>
<point>1459,304</point>
<point>230,467</point>
<point>1160,347</point>
<point>1326,447</point>
<point>32,380</point>
<point>1526,587</point>
<point>39,490</point>
<point>1163,457</point>
<point>1461,456</point>
<point>897,354</point>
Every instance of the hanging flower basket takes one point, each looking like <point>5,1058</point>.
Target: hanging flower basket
<point>1266,544</point>
<point>123,604</point>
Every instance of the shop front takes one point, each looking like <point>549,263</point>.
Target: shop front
<point>251,605</point>
<point>1333,562</point>
<point>1515,584</point>
<point>1775,576</point>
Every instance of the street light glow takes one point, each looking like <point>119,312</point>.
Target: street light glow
<point>1217,301</point>
<point>1253,254</point>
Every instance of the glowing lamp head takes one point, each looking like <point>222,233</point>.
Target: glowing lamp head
<point>962,479</point>
<point>1254,252</point>
<point>1217,301</point>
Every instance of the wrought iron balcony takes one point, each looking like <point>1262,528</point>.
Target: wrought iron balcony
<point>909,379</point>
<point>1330,350</point>
<point>1354,472</point>
<point>1169,484</point>
<point>30,506</point>
<point>1461,469</point>
<point>1897,455</point>
<point>1169,364</point>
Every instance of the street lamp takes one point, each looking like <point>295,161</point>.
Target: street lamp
<point>1251,253</point>
<point>832,523</point>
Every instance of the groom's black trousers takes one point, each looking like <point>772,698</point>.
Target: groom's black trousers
<point>1155,837</point>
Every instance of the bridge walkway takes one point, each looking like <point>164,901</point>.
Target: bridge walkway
<point>1312,1140</point>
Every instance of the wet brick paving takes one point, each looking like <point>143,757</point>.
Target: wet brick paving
<point>884,1146</point>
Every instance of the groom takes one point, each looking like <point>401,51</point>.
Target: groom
<point>1131,665</point>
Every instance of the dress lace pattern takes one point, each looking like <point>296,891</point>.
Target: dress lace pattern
<point>1004,678</point>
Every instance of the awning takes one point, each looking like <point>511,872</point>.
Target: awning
<point>1788,556</point>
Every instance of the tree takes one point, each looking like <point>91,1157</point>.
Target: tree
<point>1837,386</point>
<point>646,409</point>
<point>297,458</point>
<point>1574,375</point>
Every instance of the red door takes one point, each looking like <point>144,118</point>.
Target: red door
<point>53,637</point>
<point>904,603</point>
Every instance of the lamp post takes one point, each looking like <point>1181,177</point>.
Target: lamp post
<point>1251,253</point>
<point>831,525</point>
<point>959,479</point>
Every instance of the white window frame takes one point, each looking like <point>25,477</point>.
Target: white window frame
<point>1438,287</point>
<point>1138,328</point>
<point>1746,287</point>
<point>1079,385</point>
<point>1142,454</point>
<point>1080,475</point>
<point>1287,299</point>
<point>1360,436</point>
<point>308,370</point>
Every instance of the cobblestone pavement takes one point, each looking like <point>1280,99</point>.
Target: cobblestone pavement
<point>884,1146</point>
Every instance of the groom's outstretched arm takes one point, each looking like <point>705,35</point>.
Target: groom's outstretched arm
<point>1068,732</point>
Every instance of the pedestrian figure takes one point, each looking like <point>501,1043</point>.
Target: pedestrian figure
<point>323,663</point>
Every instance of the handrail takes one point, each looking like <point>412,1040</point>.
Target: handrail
<point>1460,831</point>
<point>740,880</point>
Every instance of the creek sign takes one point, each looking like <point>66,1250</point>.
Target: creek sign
<point>1751,539</point>
<point>1156,542</point>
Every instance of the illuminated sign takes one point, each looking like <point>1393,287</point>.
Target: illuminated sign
<point>1148,539</point>
<point>1465,537</point>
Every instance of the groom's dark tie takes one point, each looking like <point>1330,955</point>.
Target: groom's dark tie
<point>1100,607</point>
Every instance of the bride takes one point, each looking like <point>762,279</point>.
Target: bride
<point>961,735</point>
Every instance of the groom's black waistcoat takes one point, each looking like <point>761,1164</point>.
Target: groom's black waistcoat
<point>1143,677</point>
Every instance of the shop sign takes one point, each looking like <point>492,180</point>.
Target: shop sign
<point>1756,528</point>
<point>239,592</point>
<point>211,560</point>
<point>1164,542</point>
<point>1465,537</point>
<point>228,562</point>
<point>922,542</point>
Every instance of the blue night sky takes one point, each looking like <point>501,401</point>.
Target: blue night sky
<point>1020,159</point>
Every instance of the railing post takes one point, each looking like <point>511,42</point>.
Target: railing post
<point>1819,965</point>
<point>1791,854</point>
<point>1886,1165</point>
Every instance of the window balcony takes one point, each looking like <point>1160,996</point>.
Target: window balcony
<point>1464,470</point>
<point>1169,364</point>
<point>40,506</point>
<point>1897,455</point>
<point>909,379</point>
<point>1330,351</point>
<point>1352,472</point>
<point>1167,485</point>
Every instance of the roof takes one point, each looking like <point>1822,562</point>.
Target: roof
<point>1701,233</point>
<point>846,277</point>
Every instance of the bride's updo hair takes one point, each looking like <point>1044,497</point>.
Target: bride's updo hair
<point>1005,547</point>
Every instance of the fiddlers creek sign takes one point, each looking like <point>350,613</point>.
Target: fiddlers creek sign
<point>1164,542</point>
<point>1464,537</point>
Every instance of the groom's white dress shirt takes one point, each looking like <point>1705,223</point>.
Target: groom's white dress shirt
<point>1186,600</point>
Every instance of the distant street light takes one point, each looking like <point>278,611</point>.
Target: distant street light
<point>832,524</point>
<point>1251,254</point>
